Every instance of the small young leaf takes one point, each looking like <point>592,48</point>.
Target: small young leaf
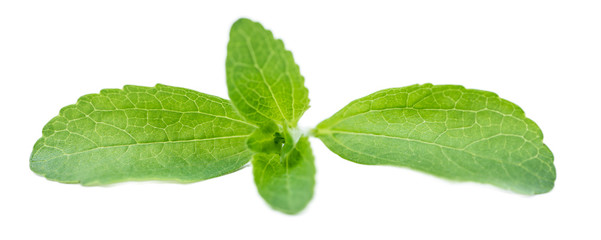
<point>263,80</point>
<point>142,133</point>
<point>286,182</point>
<point>267,139</point>
<point>449,131</point>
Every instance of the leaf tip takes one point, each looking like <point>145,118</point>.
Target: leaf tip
<point>242,22</point>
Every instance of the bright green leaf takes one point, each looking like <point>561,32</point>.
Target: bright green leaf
<point>142,133</point>
<point>264,82</point>
<point>449,131</point>
<point>286,182</point>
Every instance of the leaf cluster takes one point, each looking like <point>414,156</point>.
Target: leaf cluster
<point>176,134</point>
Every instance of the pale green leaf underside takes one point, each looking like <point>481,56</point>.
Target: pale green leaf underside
<point>286,183</point>
<point>449,131</point>
<point>264,82</point>
<point>142,133</point>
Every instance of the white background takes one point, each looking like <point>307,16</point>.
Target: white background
<point>543,55</point>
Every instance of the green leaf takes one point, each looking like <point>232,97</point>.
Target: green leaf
<point>286,182</point>
<point>142,133</point>
<point>448,131</point>
<point>267,88</point>
<point>263,80</point>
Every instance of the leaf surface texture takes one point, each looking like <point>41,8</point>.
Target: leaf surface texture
<point>264,82</point>
<point>445,130</point>
<point>143,133</point>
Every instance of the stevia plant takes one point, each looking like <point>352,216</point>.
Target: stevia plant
<point>176,134</point>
